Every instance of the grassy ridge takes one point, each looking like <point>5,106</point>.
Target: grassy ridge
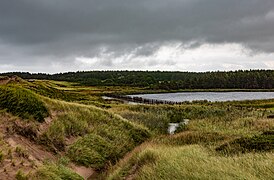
<point>101,137</point>
<point>221,141</point>
<point>257,143</point>
<point>87,135</point>
<point>193,162</point>
<point>54,91</point>
<point>156,118</point>
<point>98,138</point>
<point>22,102</point>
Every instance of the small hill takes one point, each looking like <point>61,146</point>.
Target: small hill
<point>4,80</point>
<point>70,136</point>
<point>11,79</point>
<point>62,130</point>
<point>22,102</point>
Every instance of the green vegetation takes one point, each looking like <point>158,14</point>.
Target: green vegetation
<point>192,162</point>
<point>22,102</point>
<point>3,78</point>
<point>253,79</point>
<point>84,134</point>
<point>60,90</point>
<point>1,156</point>
<point>21,176</point>
<point>191,137</point>
<point>262,142</point>
<point>92,150</point>
<point>231,140</point>
<point>242,134</point>
<point>134,164</point>
<point>21,152</point>
<point>105,137</point>
<point>157,117</point>
<point>55,172</point>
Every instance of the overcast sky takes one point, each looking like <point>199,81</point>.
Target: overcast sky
<point>183,35</point>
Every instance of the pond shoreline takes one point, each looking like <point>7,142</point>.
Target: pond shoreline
<point>141,100</point>
<point>179,98</point>
<point>151,91</point>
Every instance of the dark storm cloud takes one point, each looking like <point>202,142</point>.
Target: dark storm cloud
<point>63,28</point>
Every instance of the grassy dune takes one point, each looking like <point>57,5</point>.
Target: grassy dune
<point>101,136</point>
<point>222,141</point>
<point>193,162</point>
<point>85,134</point>
<point>230,140</point>
<point>205,116</point>
<point>22,102</point>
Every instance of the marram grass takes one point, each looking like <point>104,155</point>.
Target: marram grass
<point>100,137</point>
<point>22,102</point>
<point>193,162</point>
<point>51,171</point>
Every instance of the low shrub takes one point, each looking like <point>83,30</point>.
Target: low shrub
<point>21,176</point>
<point>91,150</point>
<point>263,142</point>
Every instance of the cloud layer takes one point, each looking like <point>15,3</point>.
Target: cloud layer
<point>38,34</point>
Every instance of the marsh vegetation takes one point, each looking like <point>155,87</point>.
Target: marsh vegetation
<point>50,129</point>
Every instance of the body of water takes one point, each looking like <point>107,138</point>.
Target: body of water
<point>210,96</point>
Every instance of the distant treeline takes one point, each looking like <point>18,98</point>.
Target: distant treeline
<point>248,79</point>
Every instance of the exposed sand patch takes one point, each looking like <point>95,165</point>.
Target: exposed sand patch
<point>83,171</point>
<point>11,144</point>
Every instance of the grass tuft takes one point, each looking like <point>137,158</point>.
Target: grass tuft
<point>55,172</point>
<point>1,156</point>
<point>21,152</point>
<point>21,176</point>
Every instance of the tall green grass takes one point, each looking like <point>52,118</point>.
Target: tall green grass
<point>22,102</point>
<point>51,90</point>
<point>257,143</point>
<point>193,162</point>
<point>192,154</point>
<point>157,117</point>
<point>98,138</point>
<point>101,137</point>
<point>51,171</point>
<point>192,137</point>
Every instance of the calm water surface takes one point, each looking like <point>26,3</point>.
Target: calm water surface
<point>210,96</point>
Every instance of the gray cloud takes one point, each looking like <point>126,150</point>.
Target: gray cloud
<point>59,30</point>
